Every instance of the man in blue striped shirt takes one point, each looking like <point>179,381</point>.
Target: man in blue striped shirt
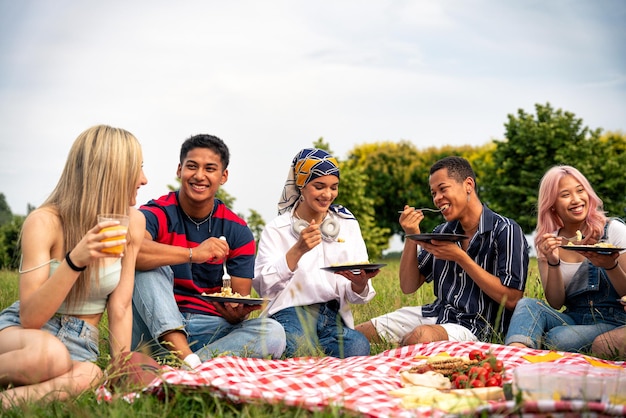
<point>477,281</point>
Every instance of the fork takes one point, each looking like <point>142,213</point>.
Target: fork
<point>574,238</point>
<point>425,209</point>
<point>225,277</point>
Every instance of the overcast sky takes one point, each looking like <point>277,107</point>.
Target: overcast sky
<point>270,77</point>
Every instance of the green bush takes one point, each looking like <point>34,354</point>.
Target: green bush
<point>9,247</point>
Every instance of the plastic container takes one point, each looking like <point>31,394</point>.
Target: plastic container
<point>550,381</point>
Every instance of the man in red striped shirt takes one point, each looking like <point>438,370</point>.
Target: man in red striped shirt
<point>182,251</point>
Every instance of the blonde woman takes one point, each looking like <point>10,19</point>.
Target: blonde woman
<point>49,338</point>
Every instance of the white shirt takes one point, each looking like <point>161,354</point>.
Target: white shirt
<point>308,284</point>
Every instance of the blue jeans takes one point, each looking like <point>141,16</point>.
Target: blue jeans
<point>534,322</point>
<point>155,312</point>
<point>309,328</point>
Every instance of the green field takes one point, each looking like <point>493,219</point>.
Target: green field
<point>202,403</point>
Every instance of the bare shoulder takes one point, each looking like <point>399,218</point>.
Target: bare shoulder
<point>42,219</point>
<point>137,224</point>
<point>137,218</point>
<point>41,233</point>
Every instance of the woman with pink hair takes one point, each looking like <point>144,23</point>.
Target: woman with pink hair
<point>587,283</point>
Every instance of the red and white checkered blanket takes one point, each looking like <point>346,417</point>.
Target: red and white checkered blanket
<point>360,384</point>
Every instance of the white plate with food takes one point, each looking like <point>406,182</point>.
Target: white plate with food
<point>601,249</point>
<point>363,266</point>
<point>233,299</point>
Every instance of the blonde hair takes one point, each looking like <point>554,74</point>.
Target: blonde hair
<point>548,220</point>
<point>100,176</point>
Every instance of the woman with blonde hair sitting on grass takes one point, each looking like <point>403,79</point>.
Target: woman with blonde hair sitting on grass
<point>49,338</point>
<point>587,282</point>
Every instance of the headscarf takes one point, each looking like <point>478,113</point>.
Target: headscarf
<point>307,165</point>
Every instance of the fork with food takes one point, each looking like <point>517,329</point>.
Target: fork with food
<point>578,237</point>
<point>226,282</point>
<point>441,209</point>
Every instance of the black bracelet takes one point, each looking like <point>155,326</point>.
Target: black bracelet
<point>554,265</point>
<point>611,268</point>
<point>72,265</point>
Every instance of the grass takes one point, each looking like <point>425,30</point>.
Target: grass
<point>198,402</point>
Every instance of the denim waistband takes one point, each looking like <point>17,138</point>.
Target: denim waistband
<point>332,306</point>
<point>82,328</point>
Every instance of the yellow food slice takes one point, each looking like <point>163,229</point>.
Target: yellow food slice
<point>415,392</point>
<point>493,393</point>
<point>447,402</point>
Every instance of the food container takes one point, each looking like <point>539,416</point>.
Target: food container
<point>551,381</point>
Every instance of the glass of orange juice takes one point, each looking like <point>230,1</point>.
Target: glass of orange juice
<point>122,228</point>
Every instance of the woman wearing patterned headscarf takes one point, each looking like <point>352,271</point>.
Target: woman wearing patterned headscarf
<point>309,233</point>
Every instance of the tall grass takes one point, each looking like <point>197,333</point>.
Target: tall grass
<point>199,402</point>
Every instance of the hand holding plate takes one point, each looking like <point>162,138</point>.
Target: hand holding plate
<point>235,313</point>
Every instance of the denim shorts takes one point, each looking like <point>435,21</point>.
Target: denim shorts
<point>80,337</point>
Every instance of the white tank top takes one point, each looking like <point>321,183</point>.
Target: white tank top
<point>96,300</point>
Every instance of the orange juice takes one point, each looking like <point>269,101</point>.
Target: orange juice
<point>118,249</point>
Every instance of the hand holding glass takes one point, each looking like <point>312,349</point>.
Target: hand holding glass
<point>122,228</point>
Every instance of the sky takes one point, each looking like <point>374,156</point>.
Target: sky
<point>271,77</point>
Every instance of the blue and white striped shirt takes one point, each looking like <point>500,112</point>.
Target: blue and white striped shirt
<point>499,247</point>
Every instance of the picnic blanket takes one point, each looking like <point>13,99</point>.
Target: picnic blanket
<point>362,384</point>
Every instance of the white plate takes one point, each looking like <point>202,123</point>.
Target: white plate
<point>243,301</point>
<point>344,267</point>
<point>439,237</point>
<point>595,249</point>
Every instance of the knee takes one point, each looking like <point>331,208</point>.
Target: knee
<point>55,355</point>
<point>48,360</point>
<point>610,344</point>
<point>598,346</point>
<point>278,339</point>
<point>273,325</point>
<point>434,333</point>
<point>525,304</point>
<point>358,345</point>
<point>85,376</point>
<point>425,334</point>
<point>369,331</point>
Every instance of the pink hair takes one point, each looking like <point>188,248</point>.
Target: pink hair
<point>548,220</point>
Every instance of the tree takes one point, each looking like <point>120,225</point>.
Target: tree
<point>256,223</point>
<point>391,180</point>
<point>9,241</point>
<point>534,144</point>
<point>352,195</point>
<point>5,211</point>
<point>321,144</point>
<point>607,175</point>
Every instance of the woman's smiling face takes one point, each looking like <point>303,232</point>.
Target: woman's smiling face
<point>572,202</point>
<point>320,193</point>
